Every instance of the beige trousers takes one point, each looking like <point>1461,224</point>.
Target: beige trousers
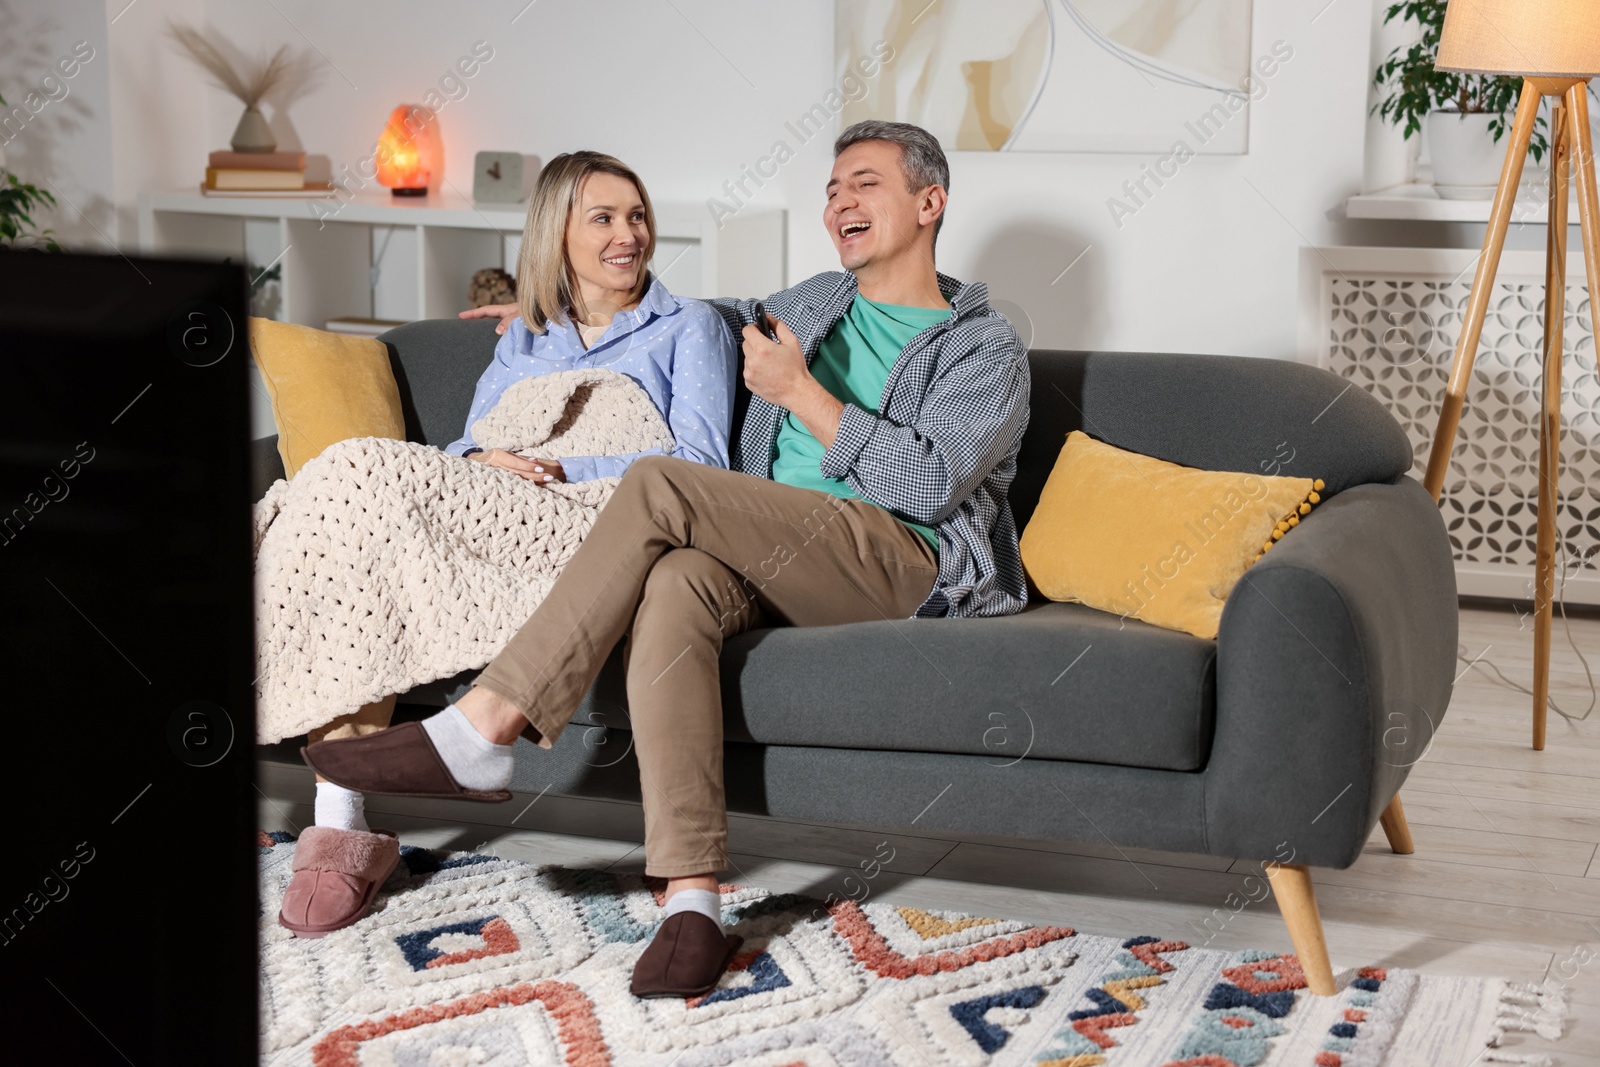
<point>682,557</point>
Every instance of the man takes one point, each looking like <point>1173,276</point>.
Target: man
<point>881,433</point>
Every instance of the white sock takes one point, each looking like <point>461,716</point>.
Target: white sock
<point>338,808</point>
<point>474,760</point>
<point>705,901</point>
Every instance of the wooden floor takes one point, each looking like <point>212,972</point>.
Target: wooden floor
<point>1503,882</point>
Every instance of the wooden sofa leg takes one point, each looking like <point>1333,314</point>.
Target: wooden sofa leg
<point>1396,829</point>
<point>1291,884</point>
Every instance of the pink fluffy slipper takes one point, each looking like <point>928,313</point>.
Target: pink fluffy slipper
<point>336,877</point>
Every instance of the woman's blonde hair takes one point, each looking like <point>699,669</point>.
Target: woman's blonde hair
<point>547,289</point>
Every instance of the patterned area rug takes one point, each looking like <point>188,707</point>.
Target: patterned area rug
<point>473,961</point>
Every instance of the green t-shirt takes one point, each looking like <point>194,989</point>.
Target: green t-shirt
<point>853,363</point>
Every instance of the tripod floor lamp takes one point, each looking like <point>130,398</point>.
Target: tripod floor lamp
<point>1555,46</point>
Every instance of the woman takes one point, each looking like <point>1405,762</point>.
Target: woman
<point>586,299</point>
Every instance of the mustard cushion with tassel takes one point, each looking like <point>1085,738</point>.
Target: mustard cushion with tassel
<point>324,387</point>
<point>1153,540</point>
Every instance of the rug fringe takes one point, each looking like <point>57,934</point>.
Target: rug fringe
<point>1540,1060</point>
<point>1530,1009</point>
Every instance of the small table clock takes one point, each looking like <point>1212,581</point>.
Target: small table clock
<point>497,177</point>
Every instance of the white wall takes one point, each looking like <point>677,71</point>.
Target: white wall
<point>688,92</point>
<point>55,125</point>
<point>158,104</point>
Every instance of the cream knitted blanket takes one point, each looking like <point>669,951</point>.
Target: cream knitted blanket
<point>385,564</point>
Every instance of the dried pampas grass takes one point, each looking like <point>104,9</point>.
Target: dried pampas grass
<point>248,85</point>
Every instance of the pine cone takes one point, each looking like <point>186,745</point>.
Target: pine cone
<point>492,286</point>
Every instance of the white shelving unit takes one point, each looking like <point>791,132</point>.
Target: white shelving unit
<point>433,244</point>
<point>1420,203</point>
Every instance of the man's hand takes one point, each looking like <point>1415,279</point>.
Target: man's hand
<point>775,370</point>
<point>538,471</point>
<point>504,312</point>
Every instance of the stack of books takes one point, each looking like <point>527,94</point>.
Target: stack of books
<point>259,174</point>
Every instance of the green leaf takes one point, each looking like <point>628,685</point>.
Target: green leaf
<point>1416,87</point>
<point>17,200</point>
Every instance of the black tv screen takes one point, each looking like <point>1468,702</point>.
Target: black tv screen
<point>128,901</point>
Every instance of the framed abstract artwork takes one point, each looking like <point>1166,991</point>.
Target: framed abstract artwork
<point>1058,75</point>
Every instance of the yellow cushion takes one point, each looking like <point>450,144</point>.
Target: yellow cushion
<point>325,387</point>
<point>1150,539</point>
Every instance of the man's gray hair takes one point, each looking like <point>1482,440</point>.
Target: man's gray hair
<point>921,158</point>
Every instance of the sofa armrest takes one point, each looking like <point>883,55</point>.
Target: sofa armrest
<point>266,466</point>
<point>1336,656</point>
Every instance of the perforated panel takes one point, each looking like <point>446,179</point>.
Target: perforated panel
<point>1395,337</point>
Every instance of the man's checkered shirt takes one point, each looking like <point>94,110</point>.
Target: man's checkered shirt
<point>941,449</point>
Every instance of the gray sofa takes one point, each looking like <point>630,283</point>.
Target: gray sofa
<point>1284,739</point>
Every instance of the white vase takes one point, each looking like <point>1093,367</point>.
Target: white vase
<point>253,134</point>
<point>1466,157</point>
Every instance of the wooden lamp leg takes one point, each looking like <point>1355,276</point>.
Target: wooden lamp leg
<point>1494,241</point>
<point>1297,901</point>
<point>1555,312</point>
<point>1396,829</point>
<point>1588,199</point>
<point>1583,168</point>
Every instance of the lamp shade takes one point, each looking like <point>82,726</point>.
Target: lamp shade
<point>1538,38</point>
<point>410,152</point>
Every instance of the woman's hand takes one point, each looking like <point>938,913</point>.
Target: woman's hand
<point>538,471</point>
<point>504,312</point>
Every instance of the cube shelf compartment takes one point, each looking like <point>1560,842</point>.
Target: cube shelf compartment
<point>428,248</point>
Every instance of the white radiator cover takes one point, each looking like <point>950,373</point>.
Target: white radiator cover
<point>1387,320</point>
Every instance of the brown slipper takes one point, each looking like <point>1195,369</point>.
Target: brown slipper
<point>686,958</point>
<point>337,874</point>
<point>398,762</point>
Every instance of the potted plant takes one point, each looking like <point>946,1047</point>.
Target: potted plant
<point>17,200</point>
<point>1465,114</point>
